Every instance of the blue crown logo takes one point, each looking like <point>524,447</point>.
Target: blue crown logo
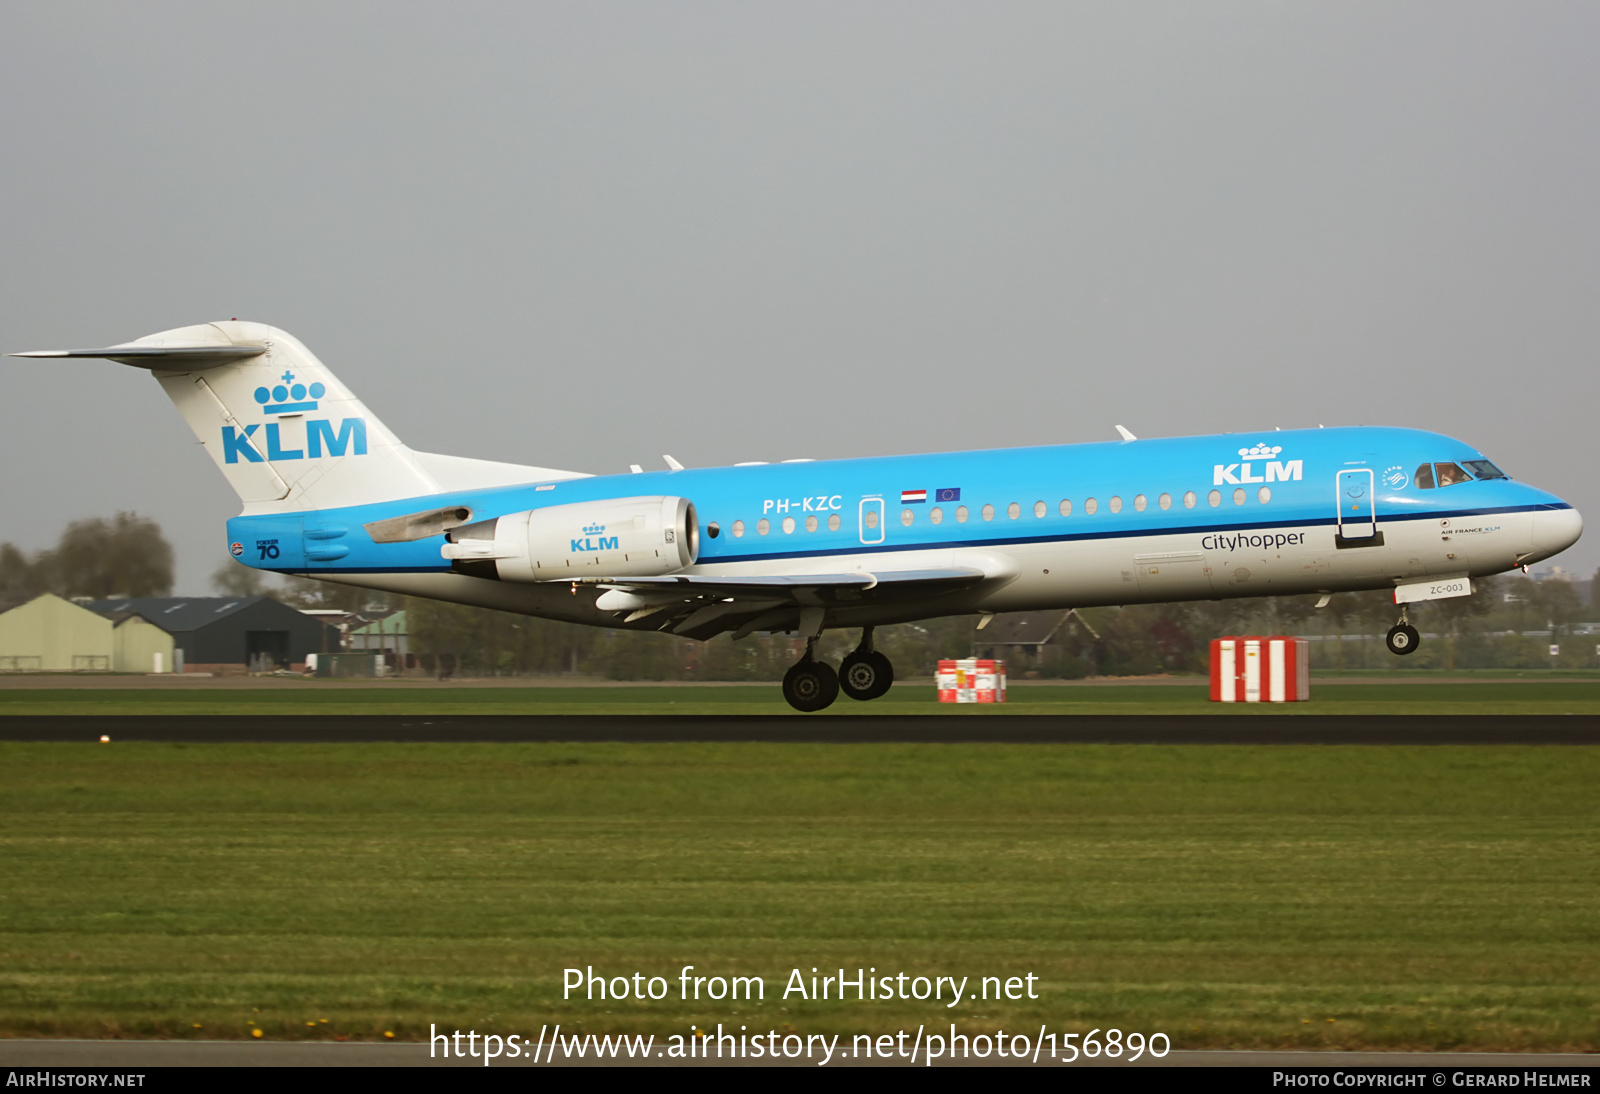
<point>1262,451</point>
<point>289,397</point>
<point>593,529</point>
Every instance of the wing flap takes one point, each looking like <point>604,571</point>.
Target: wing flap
<point>789,586</point>
<point>704,605</point>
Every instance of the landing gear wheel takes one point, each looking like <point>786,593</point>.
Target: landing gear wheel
<point>810,685</point>
<point>865,675</point>
<point>1403,639</point>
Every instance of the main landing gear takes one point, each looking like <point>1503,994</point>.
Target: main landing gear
<point>810,684</point>
<point>865,673</point>
<point>1403,637</point>
<point>813,685</point>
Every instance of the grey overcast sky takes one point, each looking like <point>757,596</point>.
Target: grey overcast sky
<point>584,234</point>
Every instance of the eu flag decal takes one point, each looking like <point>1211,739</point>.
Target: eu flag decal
<point>911,497</point>
<point>949,493</point>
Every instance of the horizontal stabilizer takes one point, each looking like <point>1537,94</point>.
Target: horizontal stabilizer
<point>172,358</point>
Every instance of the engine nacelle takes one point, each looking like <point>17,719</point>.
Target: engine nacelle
<point>619,537</point>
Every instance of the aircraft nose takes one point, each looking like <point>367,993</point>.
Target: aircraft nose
<point>1554,530</point>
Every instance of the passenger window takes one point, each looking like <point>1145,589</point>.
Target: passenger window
<point>738,529</point>
<point>1424,478</point>
<point>1238,496</point>
<point>763,526</point>
<point>833,522</point>
<point>961,514</point>
<point>1449,474</point>
<point>1040,509</point>
<point>1115,503</point>
<point>1013,510</point>
<point>1165,501</point>
<point>872,519</point>
<point>906,517</point>
<point>936,515</point>
<point>1215,498</point>
<point>1065,508</point>
<point>788,526</point>
<point>712,530</point>
<point>1091,506</point>
<point>988,512</point>
<point>1188,499</point>
<point>1263,495</point>
<point>1139,503</point>
<point>811,523</point>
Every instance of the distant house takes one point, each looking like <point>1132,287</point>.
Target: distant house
<point>221,633</point>
<point>1024,631</point>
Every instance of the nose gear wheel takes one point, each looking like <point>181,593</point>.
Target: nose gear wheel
<point>1403,639</point>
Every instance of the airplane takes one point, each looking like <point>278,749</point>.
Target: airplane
<point>804,545</point>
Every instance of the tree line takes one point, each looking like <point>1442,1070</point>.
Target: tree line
<point>101,558</point>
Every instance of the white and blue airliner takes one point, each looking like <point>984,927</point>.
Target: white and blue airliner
<point>328,492</point>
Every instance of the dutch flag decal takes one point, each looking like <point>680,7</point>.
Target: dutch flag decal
<point>911,497</point>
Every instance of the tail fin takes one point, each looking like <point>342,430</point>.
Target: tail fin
<point>283,430</point>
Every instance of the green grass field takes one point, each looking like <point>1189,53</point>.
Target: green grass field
<point>1440,897</point>
<point>1423,697</point>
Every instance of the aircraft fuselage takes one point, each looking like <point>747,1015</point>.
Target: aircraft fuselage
<point>1231,515</point>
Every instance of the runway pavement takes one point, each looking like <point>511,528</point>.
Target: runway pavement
<point>839,729</point>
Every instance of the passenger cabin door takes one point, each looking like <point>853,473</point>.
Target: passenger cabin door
<point>1357,519</point>
<point>870,515</point>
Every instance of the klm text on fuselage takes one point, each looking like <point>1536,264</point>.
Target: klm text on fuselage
<point>1233,474</point>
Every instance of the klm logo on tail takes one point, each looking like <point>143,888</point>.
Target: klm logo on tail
<point>320,437</point>
<point>320,440</point>
<point>593,541</point>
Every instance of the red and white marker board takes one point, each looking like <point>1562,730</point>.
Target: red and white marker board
<point>972,680</point>
<point>1253,669</point>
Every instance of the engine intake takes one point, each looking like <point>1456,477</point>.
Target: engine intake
<point>619,537</point>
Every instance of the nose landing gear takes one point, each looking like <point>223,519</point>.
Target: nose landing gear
<point>865,673</point>
<point>1403,637</point>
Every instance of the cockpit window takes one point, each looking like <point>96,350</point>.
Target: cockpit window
<point>1430,475</point>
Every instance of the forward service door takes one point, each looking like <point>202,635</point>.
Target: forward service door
<point>1357,518</point>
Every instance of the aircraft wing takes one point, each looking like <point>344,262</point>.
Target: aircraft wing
<point>701,606</point>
